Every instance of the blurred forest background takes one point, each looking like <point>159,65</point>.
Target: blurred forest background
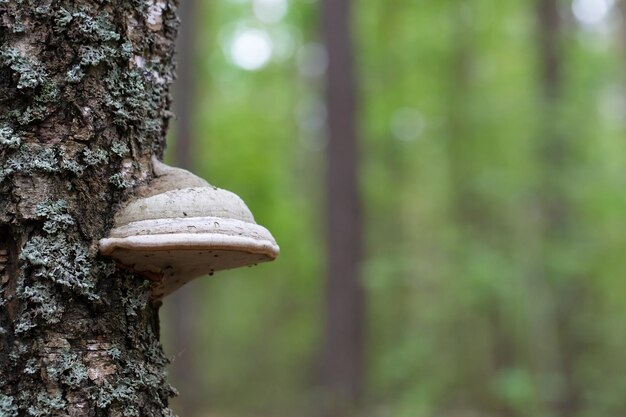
<point>456,249</point>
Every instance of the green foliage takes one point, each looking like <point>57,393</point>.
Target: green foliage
<point>477,305</point>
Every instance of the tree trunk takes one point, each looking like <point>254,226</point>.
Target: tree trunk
<point>83,105</point>
<point>621,41</point>
<point>343,348</point>
<point>558,303</point>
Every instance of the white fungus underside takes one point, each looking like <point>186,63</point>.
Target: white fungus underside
<point>181,249</point>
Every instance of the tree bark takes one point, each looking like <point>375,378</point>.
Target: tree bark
<point>83,105</point>
<point>343,348</point>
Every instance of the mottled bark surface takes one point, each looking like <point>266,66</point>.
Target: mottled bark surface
<point>83,105</point>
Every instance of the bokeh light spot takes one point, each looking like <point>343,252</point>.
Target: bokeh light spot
<point>591,12</point>
<point>251,49</point>
<point>312,60</point>
<point>407,124</point>
<point>270,11</point>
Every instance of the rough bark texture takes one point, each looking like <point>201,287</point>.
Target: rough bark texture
<point>343,349</point>
<point>83,105</point>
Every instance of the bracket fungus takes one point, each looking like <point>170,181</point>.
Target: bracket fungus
<point>179,228</point>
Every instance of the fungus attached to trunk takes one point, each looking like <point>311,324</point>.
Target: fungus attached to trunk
<point>180,227</point>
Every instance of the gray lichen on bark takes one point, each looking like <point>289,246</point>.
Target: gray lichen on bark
<point>84,99</point>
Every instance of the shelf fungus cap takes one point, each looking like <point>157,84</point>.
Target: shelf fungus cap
<point>181,228</point>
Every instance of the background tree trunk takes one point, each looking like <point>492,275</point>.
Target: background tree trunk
<point>562,292</point>
<point>343,349</point>
<point>621,41</point>
<point>83,105</point>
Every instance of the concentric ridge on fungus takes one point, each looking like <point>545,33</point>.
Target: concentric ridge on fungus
<point>182,228</point>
